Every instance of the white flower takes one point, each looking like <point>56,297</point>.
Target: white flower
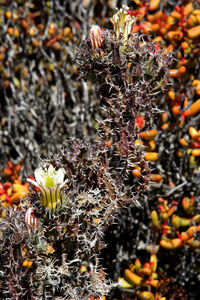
<point>50,182</point>
<point>122,23</point>
<point>49,177</point>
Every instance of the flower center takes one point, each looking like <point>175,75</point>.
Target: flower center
<point>49,181</point>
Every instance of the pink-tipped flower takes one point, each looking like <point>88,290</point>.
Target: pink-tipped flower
<point>30,218</point>
<point>95,35</point>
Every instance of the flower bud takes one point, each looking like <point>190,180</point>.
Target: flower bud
<point>95,35</point>
<point>30,218</point>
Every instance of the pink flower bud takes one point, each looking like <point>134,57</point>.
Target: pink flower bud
<point>30,218</point>
<point>95,35</point>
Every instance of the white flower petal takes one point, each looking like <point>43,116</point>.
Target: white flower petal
<point>40,176</point>
<point>33,182</point>
<point>51,171</point>
<point>59,176</point>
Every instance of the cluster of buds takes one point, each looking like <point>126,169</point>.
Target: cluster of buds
<point>171,223</point>
<point>30,28</point>
<point>179,30</point>
<point>12,171</point>
<point>12,190</point>
<point>190,144</point>
<point>147,139</point>
<point>142,276</point>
